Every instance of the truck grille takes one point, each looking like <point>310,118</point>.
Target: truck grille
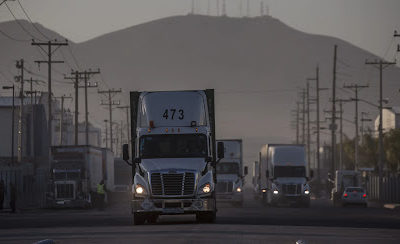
<point>224,187</point>
<point>65,191</point>
<point>172,184</point>
<point>291,189</point>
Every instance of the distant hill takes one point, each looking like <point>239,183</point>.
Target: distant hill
<point>256,66</point>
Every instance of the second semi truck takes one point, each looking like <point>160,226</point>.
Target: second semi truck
<point>284,175</point>
<point>230,173</point>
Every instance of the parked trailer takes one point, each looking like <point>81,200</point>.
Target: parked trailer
<point>230,173</point>
<point>75,173</point>
<point>284,175</point>
<point>343,179</point>
<point>174,154</point>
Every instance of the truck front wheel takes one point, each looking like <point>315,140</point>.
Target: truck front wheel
<point>138,218</point>
<point>206,217</point>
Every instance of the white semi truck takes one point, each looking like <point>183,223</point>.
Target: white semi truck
<point>230,173</point>
<point>174,154</point>
<point>75,173</point>
<point>284,175</point>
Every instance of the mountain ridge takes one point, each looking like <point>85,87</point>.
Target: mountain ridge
<point>256,66</point>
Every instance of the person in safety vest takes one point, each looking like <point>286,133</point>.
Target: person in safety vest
<point>101,192</point>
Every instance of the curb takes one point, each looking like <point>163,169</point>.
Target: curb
<point>392,206</point>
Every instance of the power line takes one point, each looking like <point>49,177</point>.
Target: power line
<point>13,38</point>
<point>30,20</point>
<point>18,22</point>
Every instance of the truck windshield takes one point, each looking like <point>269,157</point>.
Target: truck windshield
<point>173,146</point>
<point>289,171</point>
<point>227,168</point>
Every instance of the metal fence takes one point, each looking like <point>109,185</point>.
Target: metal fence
<point>390,189</point>
<point>30,185</point>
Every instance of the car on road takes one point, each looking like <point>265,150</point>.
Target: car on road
<point>355,196</point>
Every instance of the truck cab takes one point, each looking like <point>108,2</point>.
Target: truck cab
<point>75,173</point>
<point>230,175</point>
<point>284,175</point>
<point>174,155</point>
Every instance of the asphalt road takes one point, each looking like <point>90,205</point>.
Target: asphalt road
<point>254,223</point>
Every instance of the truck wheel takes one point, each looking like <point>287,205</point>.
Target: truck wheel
<point>206,217</point>
<point>152,219</point>
<point>138,219</point>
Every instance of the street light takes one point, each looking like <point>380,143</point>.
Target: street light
<point>12,121</point>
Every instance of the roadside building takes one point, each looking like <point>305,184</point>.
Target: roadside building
<point>390,120</point>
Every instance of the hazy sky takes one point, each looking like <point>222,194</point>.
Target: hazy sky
<point>365,23</point>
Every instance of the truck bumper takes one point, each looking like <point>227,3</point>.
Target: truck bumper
<point>291,199</point>
<point>68,203</point>
<point>229,198</point>
<point>173,206</point>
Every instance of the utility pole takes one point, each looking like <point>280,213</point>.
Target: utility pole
<point>31,92</point>
<point>86,76</point>
<point>308,125</point>
<point>381,65</point>
<point>317,89</point>
<point>75,78</point>
<point>303,139</point>
<point>341,101</point>
<point>248,9</point>
<point>223,7</point>
<point>355,88</point>
<point>49,61</point>
<point>333,125</point>
<point>63,97</point>
<point>261,8</point>
<point>105,121</point>
<point>217,7</point>
<point>20,66</point>
<point>363,119</point>
<point>127,122</point>
<point>110,103</point>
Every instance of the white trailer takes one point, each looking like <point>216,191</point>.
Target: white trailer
<point>75,173</point>
<point>343,179</point>
<point>284,175</point>
<point>230,173</point>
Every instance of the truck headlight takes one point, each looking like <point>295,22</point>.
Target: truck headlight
<point>239,189</point>
<point>206,188</point>
<point>140,190</point>
<point>276,192</point>
<point>306,192</point>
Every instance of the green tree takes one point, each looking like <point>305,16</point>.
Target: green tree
<point>369,151</point>
<point>392,149</point>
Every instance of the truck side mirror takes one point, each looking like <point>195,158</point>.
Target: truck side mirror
<point>267,173</point>
<point>220,150</point>
<point>246,170</point>
<point>125,152</point>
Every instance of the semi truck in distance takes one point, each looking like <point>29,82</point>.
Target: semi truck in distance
<point>75,173</point>
<point>344,179</point>
<point>230,173</point>
<point>174,154</point>
<point>284,175</point>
